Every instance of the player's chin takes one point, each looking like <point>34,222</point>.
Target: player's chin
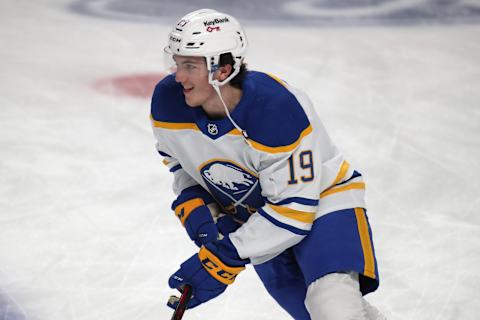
<point>191,102</point>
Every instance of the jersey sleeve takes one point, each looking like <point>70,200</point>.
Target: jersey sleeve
<point>164,108</point>
<point>182,180</point>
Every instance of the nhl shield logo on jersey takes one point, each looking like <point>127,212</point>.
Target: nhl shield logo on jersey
<point>212,129</point>
<point>231,184</point>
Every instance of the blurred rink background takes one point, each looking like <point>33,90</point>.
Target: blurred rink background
<point>86,230</point>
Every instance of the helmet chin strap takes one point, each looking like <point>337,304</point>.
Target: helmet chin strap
<point>216,86</point>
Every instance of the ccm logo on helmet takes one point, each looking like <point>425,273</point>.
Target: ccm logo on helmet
<point>215,21</point>
<point>175,39</point>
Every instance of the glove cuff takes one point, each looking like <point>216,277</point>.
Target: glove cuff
<point>216,268</point>
<point>192,193</point>
<point>183,210</point>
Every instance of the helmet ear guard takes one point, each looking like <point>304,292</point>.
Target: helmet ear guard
<point>209,33</point>
<point>213,64</point>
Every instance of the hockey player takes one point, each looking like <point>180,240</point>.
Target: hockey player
<point>258,180</point>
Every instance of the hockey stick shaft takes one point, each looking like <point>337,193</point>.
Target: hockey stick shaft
<point>183,302</point>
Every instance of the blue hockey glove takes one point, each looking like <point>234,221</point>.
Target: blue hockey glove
<point>226,224</point>
<point>195,216</point>
<point>208,272</point>
<point>197,221</point>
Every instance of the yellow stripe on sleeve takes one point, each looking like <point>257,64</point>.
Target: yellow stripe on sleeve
<point>216,268</point>
<point>280,149</point>
<point>302,216</point>
<point>362,224</point>
<point>355,185</point>
<point>277,79</point>
<point>341,173</point>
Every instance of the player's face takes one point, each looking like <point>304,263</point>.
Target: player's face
<point>192,74</point>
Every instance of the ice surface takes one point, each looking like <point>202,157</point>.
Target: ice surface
<point>86,231</point>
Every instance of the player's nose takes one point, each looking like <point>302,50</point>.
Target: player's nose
<point>180,76</point>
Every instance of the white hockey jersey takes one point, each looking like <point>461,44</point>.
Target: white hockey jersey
<point>288,175</point>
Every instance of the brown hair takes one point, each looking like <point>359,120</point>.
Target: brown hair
<point>227,58</point>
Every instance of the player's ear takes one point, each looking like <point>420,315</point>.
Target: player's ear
<point>224,71</point>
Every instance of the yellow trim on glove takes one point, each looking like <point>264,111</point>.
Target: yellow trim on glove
<point>216,268</point>
<point>183,211</point>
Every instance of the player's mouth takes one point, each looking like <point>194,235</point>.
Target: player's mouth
<point>187,90</point>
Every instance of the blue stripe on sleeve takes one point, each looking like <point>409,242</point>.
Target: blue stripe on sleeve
<point>173,169</point>
<point>283,225</point>
<point>305,201</point>
<point>355,174</point>
<point>163,154</point>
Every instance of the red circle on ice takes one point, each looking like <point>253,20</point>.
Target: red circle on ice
<point>133,85</point>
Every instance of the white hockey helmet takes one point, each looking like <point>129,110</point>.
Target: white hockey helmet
<point>209,33</point>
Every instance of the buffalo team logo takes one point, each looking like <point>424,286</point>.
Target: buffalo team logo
<point>232,185</point>
<point>228,176</point>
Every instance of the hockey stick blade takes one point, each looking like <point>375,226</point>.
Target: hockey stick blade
<point>182,302</point>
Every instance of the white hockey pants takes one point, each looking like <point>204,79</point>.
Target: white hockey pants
<point>337,296</point>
